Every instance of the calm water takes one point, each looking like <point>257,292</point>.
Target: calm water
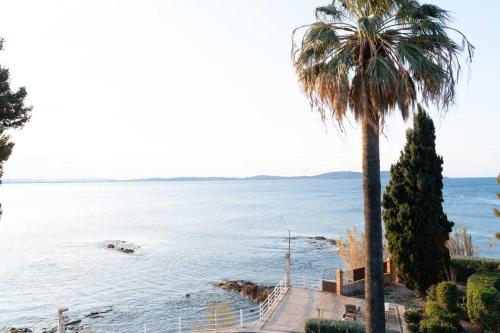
<point>190,234</point>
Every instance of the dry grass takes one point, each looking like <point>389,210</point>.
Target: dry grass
<point>461,244</point>
<point>352,250</point>
<point>219,316</point>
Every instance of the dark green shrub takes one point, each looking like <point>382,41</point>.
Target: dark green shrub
<point>436,326</point>
<point>434,312</point>
<point>432,309</point>
<point>333,326</point>
<point>447,296</point>
<point>452,318</point>
<point>483,301</point>
<point>413,327</point>
<point>466,266</point>
<point>413,316</point>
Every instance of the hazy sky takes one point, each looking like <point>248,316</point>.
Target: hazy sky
<point>147,88</point>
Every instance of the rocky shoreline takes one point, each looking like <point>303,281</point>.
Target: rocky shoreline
<point>255,293</point>
<point>73,325</point>
<point>322,238</point>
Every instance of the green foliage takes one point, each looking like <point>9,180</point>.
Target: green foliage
<point>413,327</point>
<point>441,309</point>
<point>436,326</point>
<point>13,113</point>
<point>413,316</point>
<point>432,309</point>
<point>483,301</point>
<point>435,312</point>
<point>416,226</point>
<point>466,266</point>
<point>447,296</point>
<point>332,326</point>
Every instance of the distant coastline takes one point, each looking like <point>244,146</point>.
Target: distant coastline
<point>327,175</point>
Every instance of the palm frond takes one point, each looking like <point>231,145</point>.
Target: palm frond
<point>379,56</point>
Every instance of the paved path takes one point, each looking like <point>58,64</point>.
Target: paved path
<point>299,304</point>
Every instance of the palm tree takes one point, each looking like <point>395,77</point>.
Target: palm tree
<point>372,57</point>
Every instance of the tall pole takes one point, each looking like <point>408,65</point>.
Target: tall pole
<point>288,262</point>
<point>289,242</point>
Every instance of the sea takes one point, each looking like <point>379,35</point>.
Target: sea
<point>188,235</point>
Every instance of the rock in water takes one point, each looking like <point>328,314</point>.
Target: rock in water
<point>18,330</point>
<point>248,289</point>
<point>120,246</point>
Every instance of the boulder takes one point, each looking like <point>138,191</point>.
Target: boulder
<point>250,290</point>
<point>18,330</point>
<point>120,246</point>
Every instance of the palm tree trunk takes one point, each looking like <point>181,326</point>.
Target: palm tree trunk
<point>374,278</point>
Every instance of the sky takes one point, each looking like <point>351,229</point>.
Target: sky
<point>156,88</point>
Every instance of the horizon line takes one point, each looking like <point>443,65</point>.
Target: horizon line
<point>325,175</point>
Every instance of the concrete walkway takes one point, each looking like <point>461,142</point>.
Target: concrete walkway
<point>299,304</point>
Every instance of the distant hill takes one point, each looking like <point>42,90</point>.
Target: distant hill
<point>327,175</point>
<point>76,180</point>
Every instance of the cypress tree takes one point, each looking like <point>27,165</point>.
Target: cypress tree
<point>416,226</point>
<point>13,113</point>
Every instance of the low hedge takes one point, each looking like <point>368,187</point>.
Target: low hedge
<point>434,312</point>
<point>332,326</point>
<point>413,316</point>
<point>483,300</point>
<point>466,266</point>
<point>413,327</point>
<point>447,296</point>
<point>436,326</point>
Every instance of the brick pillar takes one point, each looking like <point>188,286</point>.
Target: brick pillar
<point>340,281</point>
<point>392,271</point>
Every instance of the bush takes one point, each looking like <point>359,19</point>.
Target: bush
<point>434,312</point>
<point>483,300</point>
<point>466,266</point>
<point>332,326</point>
<point>436,326</point>
<point>432,309</point>
<point>413,316</point>
<point>447,296</point>
<point>413,327</point>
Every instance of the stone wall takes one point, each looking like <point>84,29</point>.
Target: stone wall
<point>357,286</point>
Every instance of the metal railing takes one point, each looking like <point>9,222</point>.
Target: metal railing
<point>306,282</point>
<point>230,319</point>
<point>331,275</point>
<point>273,297</point>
